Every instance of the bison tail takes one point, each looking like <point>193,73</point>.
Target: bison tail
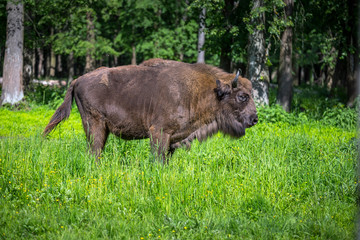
<point>63,112</point>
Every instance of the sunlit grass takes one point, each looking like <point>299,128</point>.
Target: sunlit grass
<point>280,181</point>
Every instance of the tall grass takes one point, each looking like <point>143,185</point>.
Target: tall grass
<point>284,180</point>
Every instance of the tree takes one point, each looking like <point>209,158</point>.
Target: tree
<point>257,71</point>
<point>90,61</point>
<point>285,81</point>
<point>12,88</point>
<point>227,38</point>
<point>352,60</point>
<point>52,57</point>
<point>201,36</point>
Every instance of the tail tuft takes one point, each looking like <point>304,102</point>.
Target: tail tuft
<point>63,112</point>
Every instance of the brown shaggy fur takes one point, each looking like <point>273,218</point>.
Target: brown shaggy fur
<point>170,102</point>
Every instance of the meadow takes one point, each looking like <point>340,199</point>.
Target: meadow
<point>292,176</point>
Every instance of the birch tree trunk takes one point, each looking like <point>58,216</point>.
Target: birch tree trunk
<point>285,80</point>
<point>201,37</point>
<point>257,71</point>
<point>12,88</point>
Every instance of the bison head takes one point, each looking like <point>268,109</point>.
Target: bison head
<point>237,107</point>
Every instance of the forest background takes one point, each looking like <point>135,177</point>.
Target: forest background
<point>65,39</point>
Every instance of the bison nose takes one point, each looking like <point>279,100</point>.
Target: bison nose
<point>254,120</point>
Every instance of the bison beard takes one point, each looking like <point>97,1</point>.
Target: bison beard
<point>170,102</point>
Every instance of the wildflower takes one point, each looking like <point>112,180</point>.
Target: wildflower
<point>185,228</point>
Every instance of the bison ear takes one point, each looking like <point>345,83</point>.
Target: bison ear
<point>222,90</point>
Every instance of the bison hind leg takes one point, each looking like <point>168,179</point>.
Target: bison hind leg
<point>97,133</point>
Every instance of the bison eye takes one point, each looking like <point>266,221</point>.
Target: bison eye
<point>242,97</point>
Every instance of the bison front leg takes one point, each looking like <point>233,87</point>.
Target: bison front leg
<point>159,142</point>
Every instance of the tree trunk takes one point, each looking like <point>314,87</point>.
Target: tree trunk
<point>339,78</point>
<point>201,37</point>
<point>225,59</point>
<point>257,71</point>
<point>184,19</point>
<point>47,63</point>
<point>285,89</point>
<point>133,47</point>
<point>70,64</point>
<point>40,72</point>
<point>133,58</point>
<point>296,69</point>
<point>116,61</point>
<point>59,67</point>
<point>90,61</point>
<point>352,60</point>
<point>28,70</point>
<point>52,57</point>
<point>12,87</point>
<point>227,38</point>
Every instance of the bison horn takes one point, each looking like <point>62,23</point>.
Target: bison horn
<point>235,81</point>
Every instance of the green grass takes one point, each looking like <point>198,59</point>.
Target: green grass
<point>283,180</point>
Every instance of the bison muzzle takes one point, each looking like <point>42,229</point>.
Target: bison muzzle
<point>170,102</point>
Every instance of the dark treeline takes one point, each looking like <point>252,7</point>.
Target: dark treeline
<point>67,38</point>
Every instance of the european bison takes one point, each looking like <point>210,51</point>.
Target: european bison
<point>170,102</point>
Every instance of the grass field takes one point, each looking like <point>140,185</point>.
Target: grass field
<point>283,180</point>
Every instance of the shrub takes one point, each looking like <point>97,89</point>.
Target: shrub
<point>276,113</point>
<point>340,116</point>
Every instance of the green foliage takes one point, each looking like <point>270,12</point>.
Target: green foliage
<point>44,95</point>
<point>341,116</point>
<point>276,114</point>
<point>312,104</point>
<point>172,43</point>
